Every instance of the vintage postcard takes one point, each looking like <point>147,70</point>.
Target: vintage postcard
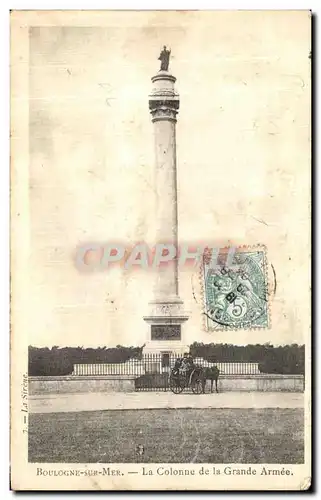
<point>160,250</point>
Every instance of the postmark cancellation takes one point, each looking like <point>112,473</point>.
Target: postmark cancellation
<point>235,289</point>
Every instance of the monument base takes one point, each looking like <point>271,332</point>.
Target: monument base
<point>164,348</point>
<point>165,320</point>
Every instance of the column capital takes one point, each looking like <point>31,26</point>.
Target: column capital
<point>163,109</point>
<point>164,100</point>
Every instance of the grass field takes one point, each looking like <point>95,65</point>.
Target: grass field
<point>199,436</point>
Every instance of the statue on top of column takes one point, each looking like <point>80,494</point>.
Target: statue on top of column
<point>164,58</point>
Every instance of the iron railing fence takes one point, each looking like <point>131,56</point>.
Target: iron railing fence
<point>160,363</point>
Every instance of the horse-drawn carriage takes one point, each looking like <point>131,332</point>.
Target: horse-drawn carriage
<point>194,379</point>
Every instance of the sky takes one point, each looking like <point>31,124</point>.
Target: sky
<point>243,157</point>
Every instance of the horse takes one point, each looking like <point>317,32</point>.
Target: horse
<point>195,378</point>
<point>210,373</point>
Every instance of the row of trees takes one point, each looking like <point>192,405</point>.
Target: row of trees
<point>287,359</point>
<point>60,361</point>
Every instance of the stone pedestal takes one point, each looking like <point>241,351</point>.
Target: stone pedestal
<point>166,311</point>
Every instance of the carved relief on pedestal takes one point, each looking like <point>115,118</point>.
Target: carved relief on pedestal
<point>166,332</point>
<point>166,309</point>
<point>166,312</point>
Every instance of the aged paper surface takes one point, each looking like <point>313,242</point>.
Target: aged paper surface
<point>220,157</point>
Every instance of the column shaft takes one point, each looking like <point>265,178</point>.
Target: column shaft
<point>166,203</point>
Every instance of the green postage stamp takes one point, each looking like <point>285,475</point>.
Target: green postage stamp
<point>236,295</point>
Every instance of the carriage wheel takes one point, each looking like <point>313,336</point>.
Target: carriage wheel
<point>177,384</point>
<point>197,387</point>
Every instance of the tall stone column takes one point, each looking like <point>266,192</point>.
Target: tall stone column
<point>166,313</point>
